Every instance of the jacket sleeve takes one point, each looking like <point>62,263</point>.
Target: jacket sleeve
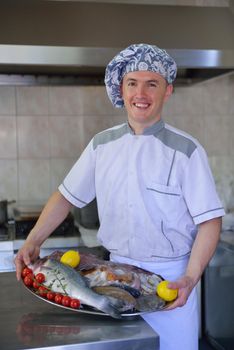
<point>199,189</point>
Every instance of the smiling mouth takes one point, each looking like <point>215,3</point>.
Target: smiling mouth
<point>141,105</point>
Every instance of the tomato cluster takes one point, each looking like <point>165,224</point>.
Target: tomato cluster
<point>36,282</point>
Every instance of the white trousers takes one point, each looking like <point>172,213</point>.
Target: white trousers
<point>178,329</point>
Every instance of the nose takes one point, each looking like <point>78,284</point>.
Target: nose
<point>140,91</point>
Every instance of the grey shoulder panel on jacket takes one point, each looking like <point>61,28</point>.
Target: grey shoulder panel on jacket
<point>109,135</point>
<point>177,141</point>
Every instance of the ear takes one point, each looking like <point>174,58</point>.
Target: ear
<point>169,90</point>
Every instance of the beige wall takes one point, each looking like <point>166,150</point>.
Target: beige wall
<point>43,130</point>
<point>206,111</point>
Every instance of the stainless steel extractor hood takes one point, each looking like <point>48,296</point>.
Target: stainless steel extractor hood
<point>44,64</point>
<point>76,39</point>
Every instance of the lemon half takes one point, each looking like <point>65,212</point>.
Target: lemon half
<point>70,258</point>
<point>166,293</point>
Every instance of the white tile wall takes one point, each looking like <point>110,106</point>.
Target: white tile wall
<point>43,130</point>
<point>8,179</point>
<point>230,83</point>
<point>216,95</point>
<point>66,136</point>
<point>188,101</point>
<point>34,179</point>
<point>65,101</point>
<point>96,102</point>
<point>59,168</point>
<point>8,138</point>
<point>223,170</point>
<point>32,100</point>
<point>33,137</point>
<point>7,100</point>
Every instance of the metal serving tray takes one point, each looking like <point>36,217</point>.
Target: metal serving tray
<point>85,309</point>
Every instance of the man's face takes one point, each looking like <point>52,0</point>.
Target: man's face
<point>144,94</point>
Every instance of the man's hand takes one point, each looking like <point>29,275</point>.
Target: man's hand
<point>202,251</point>
<point>26,255</point>
<point>184,285</point>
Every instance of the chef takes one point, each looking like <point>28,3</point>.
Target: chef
<point>156,197</point>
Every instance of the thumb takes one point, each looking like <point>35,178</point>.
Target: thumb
<point>174,285</point>
<point>27,258</point>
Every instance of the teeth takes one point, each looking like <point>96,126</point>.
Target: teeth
<point>141,105</point>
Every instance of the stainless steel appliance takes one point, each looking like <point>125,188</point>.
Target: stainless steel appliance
<point>15,230</point>
<point>25,217</point>
<point>219,296</point>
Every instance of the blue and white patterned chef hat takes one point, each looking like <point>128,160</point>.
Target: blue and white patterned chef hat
<point>137,57</point>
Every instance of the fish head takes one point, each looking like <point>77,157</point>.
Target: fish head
<point>38,264</point>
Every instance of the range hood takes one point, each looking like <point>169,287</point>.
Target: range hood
<point>43,64</point>
<point>72,41</point>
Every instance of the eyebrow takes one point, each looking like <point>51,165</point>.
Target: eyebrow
<point>147,81</point>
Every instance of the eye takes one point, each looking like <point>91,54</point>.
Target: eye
<point>131,83</point>
<point>152,84</point>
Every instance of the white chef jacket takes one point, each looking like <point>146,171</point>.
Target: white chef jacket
<point>152,190</point>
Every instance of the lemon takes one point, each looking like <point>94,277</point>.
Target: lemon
<point>166,293</point>
<point>70,258</point>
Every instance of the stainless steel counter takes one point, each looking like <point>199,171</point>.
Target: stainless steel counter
<point>27,322</point>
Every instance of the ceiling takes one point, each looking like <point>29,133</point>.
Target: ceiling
<point>200,3</point>
<point>76,39</point>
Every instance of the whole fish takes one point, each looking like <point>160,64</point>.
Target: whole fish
<point>64,279</point>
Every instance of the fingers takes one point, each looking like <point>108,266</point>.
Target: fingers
<point>174,285</point>
<point>184,289</point>
<point>179,302</point>
<point>170,306</point>
<point>174,305</point>
<point>25,256</point>
<point>19,264</point>
<point>184,282</point>
<point>22,258</point>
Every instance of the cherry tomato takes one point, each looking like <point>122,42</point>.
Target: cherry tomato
<point>26,271</point>
<point>66,300</point>
<point>40,277</point>
<point>42,291</point>
<point>58,298</point>
<point>75,303</point>
<point>28,280</point>
<point>50,295</point>
<point>36,285</point>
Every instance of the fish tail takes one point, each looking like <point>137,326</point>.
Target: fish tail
<point>112,307</point>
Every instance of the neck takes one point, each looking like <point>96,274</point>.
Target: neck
<point>138,128</point>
